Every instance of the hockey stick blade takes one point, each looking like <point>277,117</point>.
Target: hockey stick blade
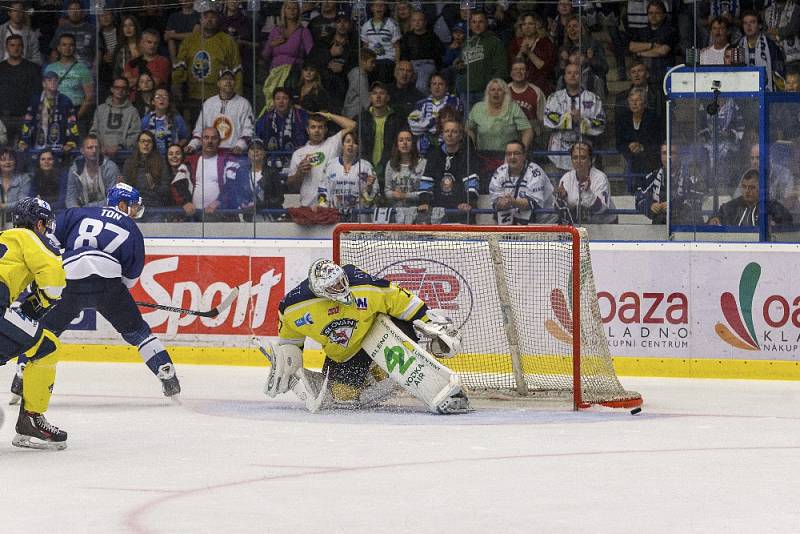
<point>213,312</point>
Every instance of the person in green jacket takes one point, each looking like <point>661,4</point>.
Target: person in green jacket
<point>482,59</point>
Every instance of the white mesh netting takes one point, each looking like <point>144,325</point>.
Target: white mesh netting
<point>452,269</point>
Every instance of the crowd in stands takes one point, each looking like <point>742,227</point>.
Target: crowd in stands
<point>387,111</point>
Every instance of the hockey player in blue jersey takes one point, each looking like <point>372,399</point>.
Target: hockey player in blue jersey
<point>104,257</point>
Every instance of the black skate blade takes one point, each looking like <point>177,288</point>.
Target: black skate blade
<point>27,442</point>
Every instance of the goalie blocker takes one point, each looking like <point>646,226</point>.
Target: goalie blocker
<point>406,363</point>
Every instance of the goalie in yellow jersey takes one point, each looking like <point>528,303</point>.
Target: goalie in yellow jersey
<point>369,329</point>
<point>28,259</point>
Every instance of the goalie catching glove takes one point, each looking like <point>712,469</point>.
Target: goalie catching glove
<point>445,339</point>
<point>285,361</point>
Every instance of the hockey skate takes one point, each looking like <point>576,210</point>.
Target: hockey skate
<point>454,404</point>
<point>35,432</point>
<point>169,380</point>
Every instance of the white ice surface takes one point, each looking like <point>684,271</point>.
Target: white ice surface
<point>704,456</point>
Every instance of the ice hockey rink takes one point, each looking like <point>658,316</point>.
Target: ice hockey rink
<point>703,456</point>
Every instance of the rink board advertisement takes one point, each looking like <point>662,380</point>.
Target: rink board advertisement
<point>671,300</point>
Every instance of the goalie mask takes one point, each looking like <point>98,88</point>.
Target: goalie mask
<point>329,281</point>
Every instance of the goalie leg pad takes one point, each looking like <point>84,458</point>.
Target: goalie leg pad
<point>413,368</point>
<point>285,361</point>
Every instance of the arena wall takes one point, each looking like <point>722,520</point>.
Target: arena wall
<point>669,309</point>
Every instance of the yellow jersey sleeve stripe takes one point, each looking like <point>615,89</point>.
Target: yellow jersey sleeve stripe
<point>413,307</point>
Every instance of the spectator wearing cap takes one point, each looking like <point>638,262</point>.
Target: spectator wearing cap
<point>378,127</point>
<point>18,78</point>
<point>336,56</point>
<point>50,120</point>
<point>201,57</point>
<point>116,122</point>
<point>451,59</point>
<point>238,23</point>
<point>229,113</point>
<point>159,67</point>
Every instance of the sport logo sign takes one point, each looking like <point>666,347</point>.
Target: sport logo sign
<point>201,282</point>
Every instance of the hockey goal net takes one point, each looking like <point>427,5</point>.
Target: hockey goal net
<point>513,293</point>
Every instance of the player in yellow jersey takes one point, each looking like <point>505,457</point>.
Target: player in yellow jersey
<point>28,259</point>
<point>337,306</point>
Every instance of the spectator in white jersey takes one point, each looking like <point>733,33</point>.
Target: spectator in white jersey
<point>229,113</point>
<point>382,35</point>
<point>520,189</point>
<point>308,162</point>
<point>349,182</point>
<point>571,114</point>
<point>402,177</point>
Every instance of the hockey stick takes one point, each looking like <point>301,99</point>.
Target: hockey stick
<point>213,312</point>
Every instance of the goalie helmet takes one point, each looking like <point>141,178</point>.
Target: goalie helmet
<point>329,281</point>
<point>122,192</point>
<point>28,211</point>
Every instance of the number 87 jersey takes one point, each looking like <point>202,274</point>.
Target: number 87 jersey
<point>101,241</point>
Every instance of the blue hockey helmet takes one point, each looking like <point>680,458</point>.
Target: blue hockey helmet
<point>122,192</point>
<point>29,210</point>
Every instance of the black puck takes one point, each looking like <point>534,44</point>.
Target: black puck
<point>636,410</point>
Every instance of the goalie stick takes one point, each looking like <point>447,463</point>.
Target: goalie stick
<point>213,312</point>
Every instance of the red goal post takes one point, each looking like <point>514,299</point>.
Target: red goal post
<point>528,282</point>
